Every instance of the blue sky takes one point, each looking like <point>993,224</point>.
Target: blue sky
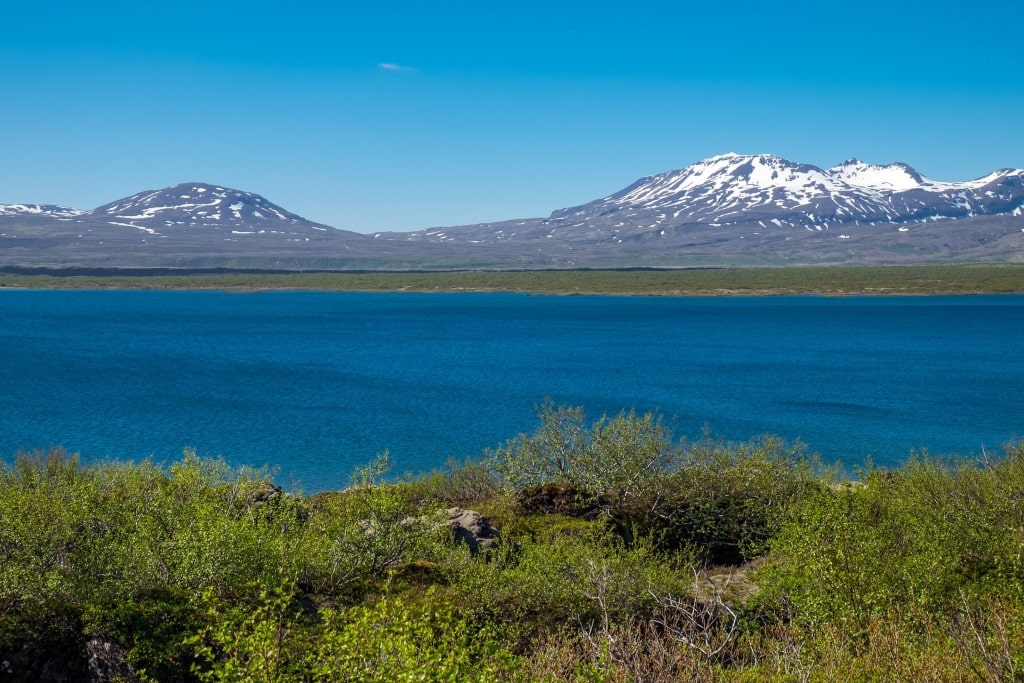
<point>405,115</point>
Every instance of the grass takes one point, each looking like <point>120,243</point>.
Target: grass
<point>831,280</point>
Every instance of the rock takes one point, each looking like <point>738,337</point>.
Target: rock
<point>107,662</point>
<point>67,659</point>
<point>264,494</point>
<point>57,660</point>
<point>473,529</point>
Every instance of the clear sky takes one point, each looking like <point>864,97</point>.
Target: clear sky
<point>408,114</point>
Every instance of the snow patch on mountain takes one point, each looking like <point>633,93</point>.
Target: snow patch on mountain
<point>891,177</point>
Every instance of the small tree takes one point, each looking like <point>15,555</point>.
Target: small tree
<point>618,462</point>
<point>548,456</point>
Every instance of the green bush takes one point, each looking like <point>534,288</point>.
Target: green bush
<point>566,579</point>
<point>49,531</point>
<point>74,537</point>
<point>912,542</point>
<point>392,641</point>
<point>724,500</point>
<point>263,641</point>
<point>459,484</point>
<point>274,641</point>
<point>617,461</point>
<point>356,536</point>
<point>727,501</point>
<point>153,629</point>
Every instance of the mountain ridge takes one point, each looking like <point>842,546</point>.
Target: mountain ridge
<point>730,209</point>
<point>735,188</point>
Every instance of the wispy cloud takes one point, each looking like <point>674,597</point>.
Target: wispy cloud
<point>390,66</point>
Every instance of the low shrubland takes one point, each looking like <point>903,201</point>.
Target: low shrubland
<point>624,555</point>
<point>831,280</point>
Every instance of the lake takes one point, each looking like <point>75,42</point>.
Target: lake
<point>317,383</point>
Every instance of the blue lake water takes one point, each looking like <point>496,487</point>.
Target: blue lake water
<point>316,383</point>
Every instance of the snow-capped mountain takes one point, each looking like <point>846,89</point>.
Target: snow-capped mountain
<point>199,205</point>
<point>188,225</point>
<point>773,192</point>
<point>39,210</point>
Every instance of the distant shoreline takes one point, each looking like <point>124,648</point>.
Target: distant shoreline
<point>823,280</point>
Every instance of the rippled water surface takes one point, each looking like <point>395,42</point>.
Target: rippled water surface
<point>314,383</point>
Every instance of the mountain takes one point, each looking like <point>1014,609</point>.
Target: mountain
<point>189,225</point>
<point>191,206</point>
<point>744,209</point>
<point>727,210</point>
<point>733,188</point>
<point>46,210</point>
<point>772,193</point>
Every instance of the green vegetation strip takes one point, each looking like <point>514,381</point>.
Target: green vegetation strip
<point>621,555</point>
<point>836,280</point>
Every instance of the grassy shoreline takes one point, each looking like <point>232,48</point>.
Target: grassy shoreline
<point>825,280</point>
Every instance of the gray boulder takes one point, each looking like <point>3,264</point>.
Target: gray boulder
<point>473,529</point>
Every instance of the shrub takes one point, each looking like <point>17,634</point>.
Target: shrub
<point>728,501</point>
<point>617,462</point>
<point>392,641</point>
<point>459,484</point>
<point>274,641</point>
<point>49,528</point>
<point>904,543</point>
<point>153,629</point>
<point>262,641</point>
<point>585,577</point>
<point>359,534</point>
